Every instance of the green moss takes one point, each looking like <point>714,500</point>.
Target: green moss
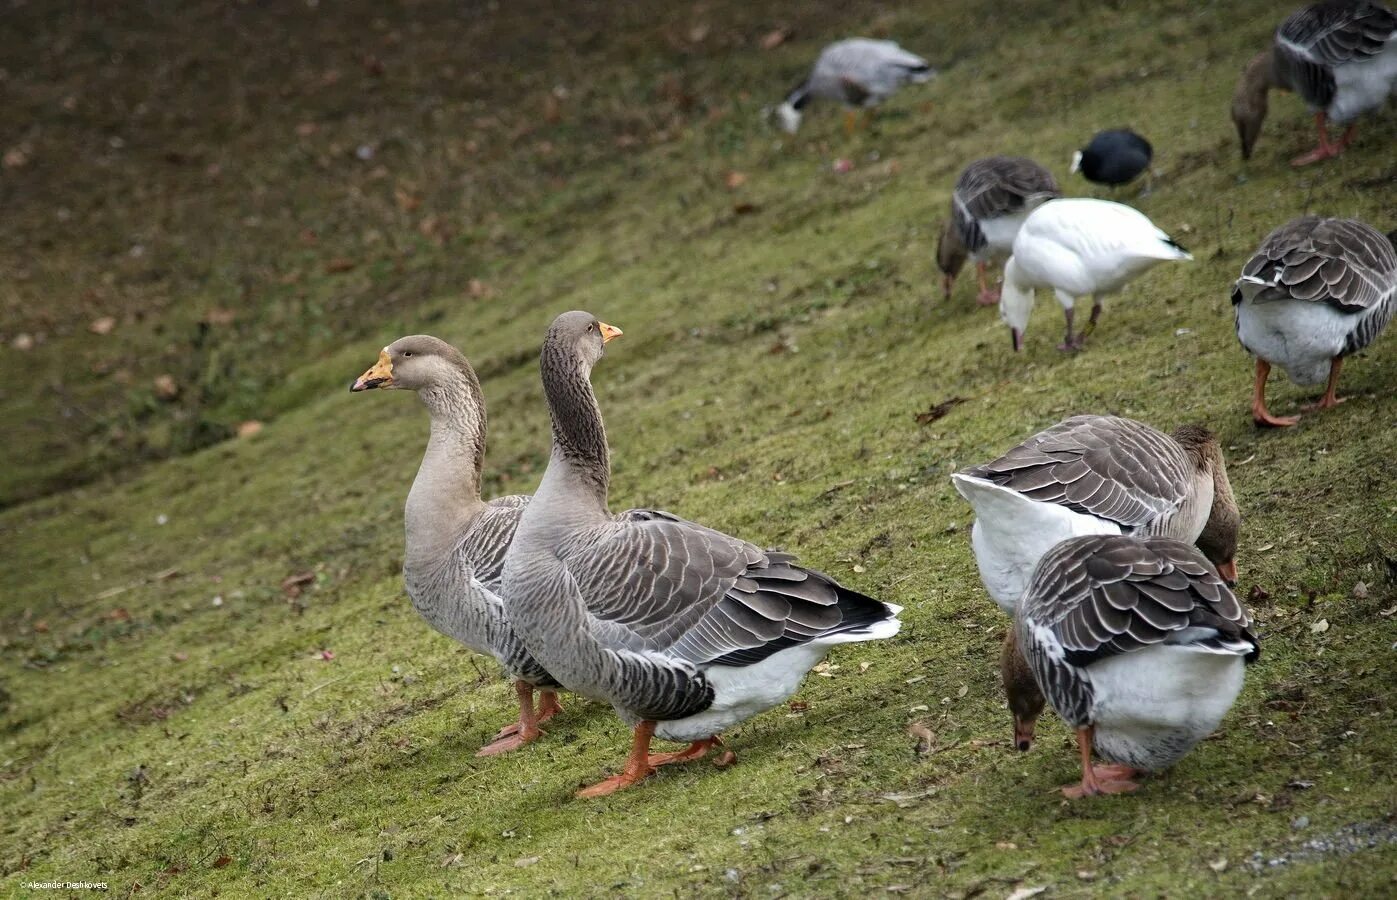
<point>773,363</point>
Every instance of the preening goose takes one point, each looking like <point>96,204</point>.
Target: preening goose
<point>1079,247</point>
<point>1097,475</point>
<point>1113,157</point>
<point>860,73</point>
<point>684,630</point>
<point>456,542</point>
<point>1316,291</point>
<point>991,199</point>
<point>1339,56</point>
<point>1139,647</point>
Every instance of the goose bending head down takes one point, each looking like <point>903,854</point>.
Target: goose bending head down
<point>1139,647</point>
<point>456,542</point>
<point>860,73</point>
<point>1315,292</point>
<point>1097,475</point>
<point>684,630</point>
<point>1340,56</point>
<point>1079,247</point>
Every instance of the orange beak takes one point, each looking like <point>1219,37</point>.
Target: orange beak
<point>1023,734</point>
<point>609,333</point>
<point>379,375</point>
<point>1228,571</point>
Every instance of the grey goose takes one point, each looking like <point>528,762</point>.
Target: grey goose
<point>1340,56</point>
<point>860,73</point>
<point>991,199</point>
<point>684,630</point>
<point>455,541</point>
<point>1317,291</point>
<point>1137,644</point>
<point>1097,475</point>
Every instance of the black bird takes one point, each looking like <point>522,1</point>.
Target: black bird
<point>1113,157</point>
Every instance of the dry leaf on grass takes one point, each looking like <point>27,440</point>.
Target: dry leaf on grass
<point>775,38</point>
<point>102,325</point>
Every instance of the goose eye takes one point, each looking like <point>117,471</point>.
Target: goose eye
<point>407,353</point>
<point>592,327</point>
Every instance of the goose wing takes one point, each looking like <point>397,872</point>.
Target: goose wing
<point>654,582</point>
<point>1112,468</point>
<point>1319,38</point>
<point>997,186</point>
<point>487,542</point>
<point>1342,262</point>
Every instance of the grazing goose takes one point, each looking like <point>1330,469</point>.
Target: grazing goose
<point>1079,247</point>
<point>684,630</point>
<point>992,198</point>
<point>1139,647</point>
<point>860,73</point>
<point>1316,291</point>
<point>1113,157</point>
<point>1097,475</point>
<point>456,542</point>
<point>1339,56</point>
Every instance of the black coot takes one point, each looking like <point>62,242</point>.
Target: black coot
<point>1113,157</point>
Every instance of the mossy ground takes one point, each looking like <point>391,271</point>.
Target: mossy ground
<point>781,335</point>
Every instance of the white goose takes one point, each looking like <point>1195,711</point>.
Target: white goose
<point>860,73</point>
<point>1079,247</point>
<point>1097,475</point>
<point>1316,291</point>
<point>1139,647</point>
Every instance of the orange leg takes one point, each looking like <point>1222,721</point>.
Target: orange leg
<point>525,731</point>
<point>989,296</point>
<point>696,750</point>
<point>1326,149</point>
<point>637,765</point>
<point>851,121</point>
<point>1259,413</point>
<point>548,705</point>
<point>1329,400</point>
<point>1096,780</point>
<point>947,283</point>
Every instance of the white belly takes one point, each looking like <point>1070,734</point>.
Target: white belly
<point>1300,336</point>
<point>1362,87</point>
<point>999,236</point>
<point>1152,706</point>
<point>739,693</point>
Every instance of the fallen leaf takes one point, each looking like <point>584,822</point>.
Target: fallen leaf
<point>698,33</point>
<point>1258,594</point>
<point>773,39</point>
<point>745,209</point>
<point>327,655</point>
<point>217,315</point>
<point>306,129</point>
<point>924,738</point>
<point>1320,627</point>
<point>222,861</point>
<point>938,410</point>
<point>453,860</point>
<point>1024,893</point>
<point>798,706</point>
<point>340,264</point>
<point>964,689</point>
<point>16,158</point>
<point>841,166</point>
<point>1219,864</point>
<point>179,656</point>
<point>166,388</point>
<point>23,341</point>
<point>477,288</point>
<point>1360,591</point>
<point>103,325</point>
<point>524,862</point>
<point>41,627</point>
<point>864,667</point>
<point>904,799</point>
<point>1264,547</point>
<point>249,428</point>
<point>120,614</point>
<point>735,180</point>
<point>292,585</point>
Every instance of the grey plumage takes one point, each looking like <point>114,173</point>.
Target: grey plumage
<point>639,609</point>
<point>858,72</point>
<point>1316,40</point>
<point>990,189</point>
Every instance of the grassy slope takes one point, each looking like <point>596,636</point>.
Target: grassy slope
<point>356,775</point>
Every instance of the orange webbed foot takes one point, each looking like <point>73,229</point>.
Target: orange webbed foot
<point>548,705</point>
<point>696,750</point>
<point>1323,403</point>
<point>1266,420</point>
<point>1319,154</point>
<point>511,738</point>
<point>614,783</point>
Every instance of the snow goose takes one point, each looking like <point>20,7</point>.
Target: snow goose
<point>860,73</point>
<point>1079,247</point>
<point>1339,56</point>
<point>1097,475</point>
<point>991,199</point>
<point>1316,291</point>
<point>684,630</point>
<point>1113,157</point>
<point>1139,647</point>
<point>456,542</point>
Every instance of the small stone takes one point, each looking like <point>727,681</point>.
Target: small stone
<point>1300,823</point>
<point>1360,591</point>
<point>1320,627</point>
<point>102,325</point>
<point>1218,865</point>
<point>23,341</point>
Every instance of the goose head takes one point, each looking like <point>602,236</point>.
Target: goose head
<point>950,256</point>
<point>1218,540</point>
<point>582,336</point>
<point>413,363</point>
<point>1015,305</point>
<point>1249,100</point>
<point>1026,701</point>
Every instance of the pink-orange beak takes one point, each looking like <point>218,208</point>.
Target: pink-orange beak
<point>1023,734</point>
<point>1228,571</point>
<point>379,375</point>
<point>609,333</point>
